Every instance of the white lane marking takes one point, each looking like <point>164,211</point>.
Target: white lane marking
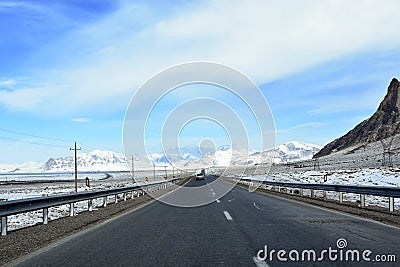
<point>218,201</point>
<point>260,263</point>
<point>228,216</point>
<point>257,207</point>
<point>230,200</point>
<point>213,194</point>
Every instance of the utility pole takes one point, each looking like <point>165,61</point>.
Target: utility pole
<point>154,172</point>
<point>76,167</point>
<point>165,170</point>
<point>133,167</point>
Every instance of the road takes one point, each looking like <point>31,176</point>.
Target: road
<point>228,232</point>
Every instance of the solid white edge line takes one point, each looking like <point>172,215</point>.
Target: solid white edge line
<point>218,201</point>
<point>260,263</point>
<point>228,216</point>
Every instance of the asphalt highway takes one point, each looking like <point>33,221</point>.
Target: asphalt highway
<point>231,231</point>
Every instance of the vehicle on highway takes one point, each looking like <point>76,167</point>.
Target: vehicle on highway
<point>200,174</point>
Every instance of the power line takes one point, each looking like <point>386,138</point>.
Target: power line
<point>36,136</point>
<point>30,142</point>
<point>40,137</point>
<point>87,146</point>
<point>24,141</point>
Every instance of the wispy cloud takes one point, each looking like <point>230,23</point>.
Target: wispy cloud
<point>25,99</point>
<point>80,119</point>
<point>113,60</point>
<point>303,126</point>
<point>365,100</point>
<point>7,82</point>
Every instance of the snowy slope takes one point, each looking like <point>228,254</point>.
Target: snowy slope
<point>366,176</point>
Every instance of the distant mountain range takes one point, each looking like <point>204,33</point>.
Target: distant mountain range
<point>99,160</point>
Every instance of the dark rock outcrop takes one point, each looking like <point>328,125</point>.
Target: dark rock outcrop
<point>385,122</point>
<point>49,164</point>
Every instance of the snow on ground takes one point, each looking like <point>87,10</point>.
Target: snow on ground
<point>97,182</point>
<point>368,177</point>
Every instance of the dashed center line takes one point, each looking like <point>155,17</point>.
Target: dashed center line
<point>228,216</point>
<point>257,207</point>
<point>260,263</point>
<point>218,201</point>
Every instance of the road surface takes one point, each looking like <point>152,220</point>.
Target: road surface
<point>229,232</point>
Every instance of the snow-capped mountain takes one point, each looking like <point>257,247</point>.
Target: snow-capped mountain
<point>225,156</point>
<point>287,152</point>
<point>99,160</point>
<point>295,151</point>
<point>27,167</point>
<point>96,160</point>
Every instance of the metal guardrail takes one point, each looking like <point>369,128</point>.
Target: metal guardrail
<point>18,206</point>
<point>383,191</point>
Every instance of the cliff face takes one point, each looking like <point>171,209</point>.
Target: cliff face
<point>385,122</point>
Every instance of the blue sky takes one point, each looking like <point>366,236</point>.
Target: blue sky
<point>69,68</point>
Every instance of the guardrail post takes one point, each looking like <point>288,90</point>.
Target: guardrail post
<point>90,204</point>
<point>45,216</point>
<point>132,195</point>
<point>71,209</point>
<point>325,196</point>
<point>301,192</point>
<point>124,196</point>
<point>116,199</point>
<point>104,202</point>
<point>4,225</point>
<point>362,200</point>
<point>340,197</point>
<point>312,193</point>
<point>391,204</point>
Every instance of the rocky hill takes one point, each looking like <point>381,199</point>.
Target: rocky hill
<point>384,123</point>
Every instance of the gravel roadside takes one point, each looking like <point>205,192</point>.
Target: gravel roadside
<point>26,240</point>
